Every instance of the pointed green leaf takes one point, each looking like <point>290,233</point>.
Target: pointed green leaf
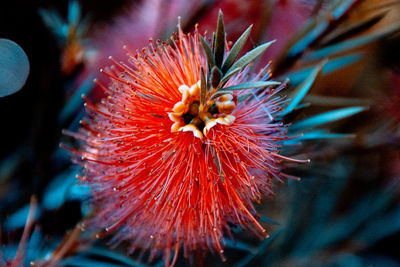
<point>229,75</point>
<point>302,89</point>
<point>203,88</point>
<point>326,117</point>
<point>251,85</point>
<point>243,86</point>
<point>215,77</point>
<point>207,50</point>
<point>236,48</point>
<point>250,56</point>
<point>213,43</point>
<point>219,49</point>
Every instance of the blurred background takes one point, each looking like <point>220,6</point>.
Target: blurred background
<point>344,212</point>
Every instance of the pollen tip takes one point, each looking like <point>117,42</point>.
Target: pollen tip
<point>101,70</point>
<point>110,57</point>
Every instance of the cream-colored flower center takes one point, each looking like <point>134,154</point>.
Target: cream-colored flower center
<point>187,114</point>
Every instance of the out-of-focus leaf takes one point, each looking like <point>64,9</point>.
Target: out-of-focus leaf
<point>74,12</point>
<point>333,65</point>
<point>55,23</point>
<point>259,250</point>
<point>362,213</point>
<point>331,101</point>
<point>326,117</point>
<point>382,226</point>
<point>345,260</point>
<point>300,92</point>
<point>351,29</point>
<point>75,102</point>
<point>79,261</point>
<point>240,245</point>
<point>341,8</point>
<point>316,27</point>
<point>18,218</point>
<point>352,43</point>
<point>268,220</point>
<point>114,256</point>
<point>316,135</point>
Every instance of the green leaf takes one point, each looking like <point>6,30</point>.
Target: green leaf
<point>326,117</point>
<point>203,87</point>
<point>250,56</point>
<point>302,89</point>
<point>237,47</point>
<point>207,50</point>
<point>229,75</point>
<point>219,48</point>
<point>243,86</point>
<point>251,85</point>
<point>215,77</point>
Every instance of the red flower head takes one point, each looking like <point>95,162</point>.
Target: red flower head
<point>184,143</point>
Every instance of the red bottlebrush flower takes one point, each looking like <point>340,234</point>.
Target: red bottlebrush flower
<point>184,143</point>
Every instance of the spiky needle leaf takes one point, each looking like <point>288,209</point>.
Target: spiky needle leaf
<point>208,52</point>
<point>243,86</point>
<point>219,45</point>
<point>250,56</point>
<point>215,77</point>
<point>251,85</point>
<point>203,88</point>
<point>237,47</point>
